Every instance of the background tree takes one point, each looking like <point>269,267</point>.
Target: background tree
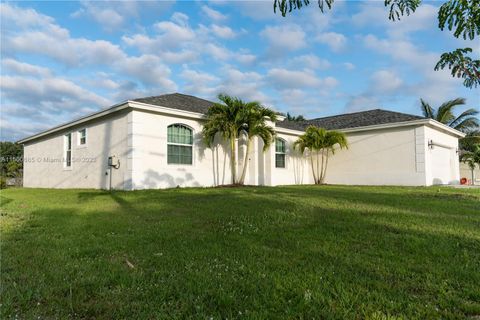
<point>471,141</point>
<point>11,161</point>
<point>460,16</point>
<point>320,142</point>
<point>472,159</point>
<point>255,118</point>
<point>465,122</point>
<point>291,117</point>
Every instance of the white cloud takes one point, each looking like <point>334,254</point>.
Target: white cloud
<point>246,58</point>
<point>223,32</point>
<point>18,67</point>
<point>172,34</point>
<point>109,18</point>
<point>246,85</point>
<point>199,83</point>
<point>56,94</point>
<point>335,41</point>
<point>213,14</point>
<point>361,103</point>
<point>385,81</point>
<point>44,38</point>
<point>283,78</point>
<point>310,61</point>
<point>115,15</point>
<point>150,70</point>
<point>375,13</point>
<point>284,37</point>
<point>349,66</point>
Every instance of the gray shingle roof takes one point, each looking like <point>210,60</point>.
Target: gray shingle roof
<point>178,101</point>
<point>351,120</point>
<point>343,121</point>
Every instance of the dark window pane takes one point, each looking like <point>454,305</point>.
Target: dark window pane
<point>279,145</point>
<point>83,136</point>
<point>179,134</point>
<point>179,154</point>
<point>280,160</point>
<point>69,158</point>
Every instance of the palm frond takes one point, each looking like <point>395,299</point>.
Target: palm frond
<point>445,111</point>
<point>470,113</point>
<point>427,110</point>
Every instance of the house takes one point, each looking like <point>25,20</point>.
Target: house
<point>156,142</point>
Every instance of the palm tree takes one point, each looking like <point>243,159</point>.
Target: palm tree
<point>320,142</point>
<point>465,122</point>
<point>470,141</point>
<point>234,118</point>
<point>472,159</point>
<point>291,117</point>
<point>225,119</point>
<point>254,117</point>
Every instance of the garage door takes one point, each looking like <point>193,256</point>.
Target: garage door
<point>441,165</point>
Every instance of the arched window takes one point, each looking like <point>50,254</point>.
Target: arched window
<point>280,153</point>
<point>179,144</point>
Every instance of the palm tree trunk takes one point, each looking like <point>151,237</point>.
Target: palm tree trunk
<point>318,169</point>
<point>321,169</point>
<point>245,162</point>
<point>233,161</point>
<point>325,168</point>
<point>313,168</point>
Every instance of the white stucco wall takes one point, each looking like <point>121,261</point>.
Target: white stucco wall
<point>148,155</point>
<point>379,157</point>
<point>442,163</point>
<point>297,168</point>
<point>44,165</point>
<point>138,137</point>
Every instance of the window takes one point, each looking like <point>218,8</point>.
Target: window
<point>179,144</point>
<point>280,153</point>
<point>68,150</point>
<point>82,137</point>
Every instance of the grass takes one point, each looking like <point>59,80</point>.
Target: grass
<point>302,252</point>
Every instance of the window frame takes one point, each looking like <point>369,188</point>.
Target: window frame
<point>181,144</point>
<point>66,150</point>
<point>284,153</point>
<point>79,138</point>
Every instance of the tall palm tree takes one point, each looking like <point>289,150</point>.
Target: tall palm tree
<point>320,142</point>
<point>255,125</point>
<point>465,122</point>
<point>225,119</point>
<point>472,159</point>
<point>234,118</point>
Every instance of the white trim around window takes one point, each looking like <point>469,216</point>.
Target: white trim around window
<point>280,153</point>
<point>180,145</point>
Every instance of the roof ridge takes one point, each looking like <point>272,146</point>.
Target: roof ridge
<point>364,111</point>
<point>172,94</point>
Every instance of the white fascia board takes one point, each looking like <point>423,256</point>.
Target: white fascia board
<point>113,109</point>
<point>124,105</point>
<point>445,128</point>
<point>289,131</point>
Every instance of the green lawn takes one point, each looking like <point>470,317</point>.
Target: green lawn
<point>298,252</point>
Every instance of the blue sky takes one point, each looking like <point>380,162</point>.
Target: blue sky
<point>61,60</point>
